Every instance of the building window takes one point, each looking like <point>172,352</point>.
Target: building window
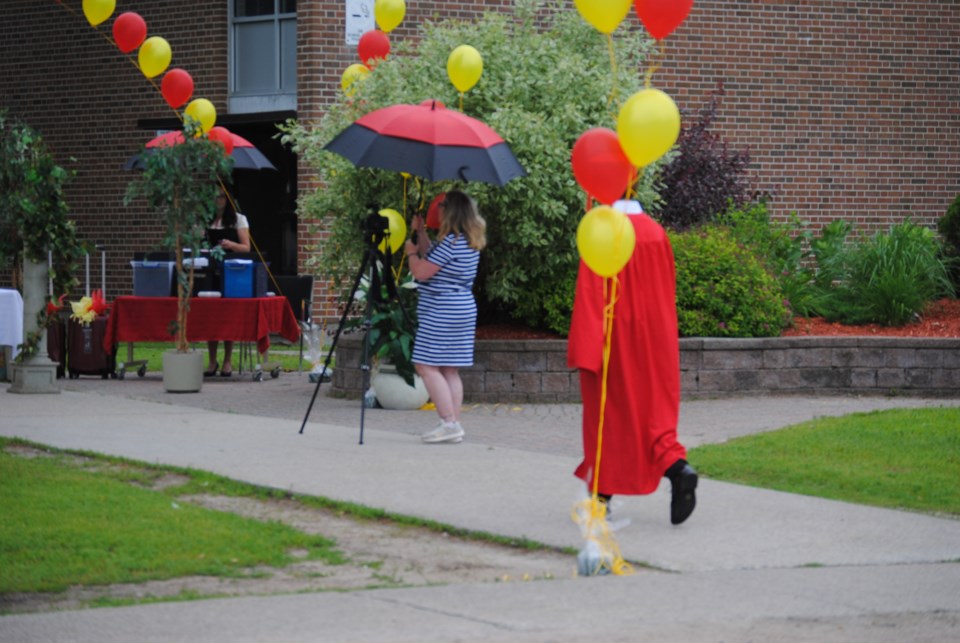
<point>263,55</point>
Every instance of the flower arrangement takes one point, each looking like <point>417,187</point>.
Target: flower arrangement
<point>88,308</point>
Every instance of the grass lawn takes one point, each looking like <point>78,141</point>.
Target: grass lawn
<point>287,356</point>
<point>901,458</point>
<point>66,525</point>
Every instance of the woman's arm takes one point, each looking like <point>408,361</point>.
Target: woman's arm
<point>420,268</point>
<point>243,234</point>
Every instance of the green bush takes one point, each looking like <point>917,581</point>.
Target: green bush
<point>886,279</point>
<point>723,290</point>
<point>894,275</point>
<point>546,80</point>
<point>949,227</point>
<point>783,247</point>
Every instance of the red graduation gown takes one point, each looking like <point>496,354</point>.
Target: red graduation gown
<point>643,381</point>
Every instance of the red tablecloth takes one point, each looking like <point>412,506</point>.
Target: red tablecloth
<point>147,319</point>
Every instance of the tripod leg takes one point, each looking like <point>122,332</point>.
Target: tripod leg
<point>336,337</point>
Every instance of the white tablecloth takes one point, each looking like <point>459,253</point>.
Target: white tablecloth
<point>11,319</point>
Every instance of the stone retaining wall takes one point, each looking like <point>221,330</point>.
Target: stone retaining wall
<point>536,370</point>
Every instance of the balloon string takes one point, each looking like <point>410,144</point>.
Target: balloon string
<point>461,102</point>
<point>614,88</point>
<point>113,43</point>
<point>609,303</point>
<point>657,60</point>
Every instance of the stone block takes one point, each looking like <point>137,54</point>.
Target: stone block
<point>863,378</point>
<point>528,362</point>
<point>498,382</point>
<point>502,361</point>
<point>732,360</point>
<point>556,382</point>
<point>528,383</point>
<point>891,378</point>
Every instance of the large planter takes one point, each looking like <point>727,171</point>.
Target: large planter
<point>394,393</point>
<point>182,372</point>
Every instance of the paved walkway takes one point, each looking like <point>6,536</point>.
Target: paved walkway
<point>750,564</point>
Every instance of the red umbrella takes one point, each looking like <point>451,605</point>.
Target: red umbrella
<point>245,155</point>
<point>430,141</point>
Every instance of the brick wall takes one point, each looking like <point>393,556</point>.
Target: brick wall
<point>848,107</point>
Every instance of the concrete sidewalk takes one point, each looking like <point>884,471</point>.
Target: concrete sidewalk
<point>753,564</point>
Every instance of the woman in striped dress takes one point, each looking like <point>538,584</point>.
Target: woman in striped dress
<point>446,309</point>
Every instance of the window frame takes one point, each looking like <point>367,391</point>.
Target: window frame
<point>278,99</point>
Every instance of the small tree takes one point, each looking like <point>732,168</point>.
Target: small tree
<point>180,183</point>
<point>33,213</point>
<point>705,178</point>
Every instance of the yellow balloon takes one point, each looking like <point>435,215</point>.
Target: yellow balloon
<point>389,14</point>
<point>604,15</point>
<point>605,239</point>
<point>97,11</point>
<point>396,231</point>
<point>352,74</point>
<point>648,126</point>
<point>203,111</point>
<point>464,67</point>
<point>154,56</point>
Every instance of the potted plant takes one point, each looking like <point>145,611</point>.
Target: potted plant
<point>180,183</point>
<point>33,222</point>
<point>393,326</point>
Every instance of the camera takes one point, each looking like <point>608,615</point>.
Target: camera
<point>374,226</point>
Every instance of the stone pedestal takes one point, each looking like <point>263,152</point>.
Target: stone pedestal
<point>36,374</point>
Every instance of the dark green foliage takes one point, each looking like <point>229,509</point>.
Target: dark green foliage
<point>894,275</point>
<point>886,279</point>
<point>705,178</point>
<point>723,290</point>
<point>33,214</point>
<point>949,228</point>
<point>781,246</point>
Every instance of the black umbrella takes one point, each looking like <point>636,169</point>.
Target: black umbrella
<point>429,141</point>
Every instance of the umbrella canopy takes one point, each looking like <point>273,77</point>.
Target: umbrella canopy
<point>245,155</point>
<point>430,141</point>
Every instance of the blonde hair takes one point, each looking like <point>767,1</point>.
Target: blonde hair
<point>461,216</point>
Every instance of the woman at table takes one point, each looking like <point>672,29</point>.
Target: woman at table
<point>235,230</point>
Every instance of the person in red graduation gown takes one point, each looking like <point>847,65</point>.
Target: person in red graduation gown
<point>640,443</point>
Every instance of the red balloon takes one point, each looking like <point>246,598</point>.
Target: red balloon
<point>600,165</point>
<point>177,87</point>
<point>373,44</point>
<point>433,212</point>
<point>661,17</point>
<point>129,31</point>
<point>222,135</point>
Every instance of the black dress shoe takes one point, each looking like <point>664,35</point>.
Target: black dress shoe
<point>683,499</point>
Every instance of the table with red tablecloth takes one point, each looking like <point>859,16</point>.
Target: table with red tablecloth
<point>147,319</point>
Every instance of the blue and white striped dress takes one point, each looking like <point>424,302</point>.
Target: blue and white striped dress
<point>446,310</point>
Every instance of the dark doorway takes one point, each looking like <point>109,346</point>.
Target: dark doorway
<point>268,198</point>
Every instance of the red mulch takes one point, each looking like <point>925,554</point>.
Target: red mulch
<point>941,319</point>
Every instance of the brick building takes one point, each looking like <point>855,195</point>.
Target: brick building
<point>850,108</point>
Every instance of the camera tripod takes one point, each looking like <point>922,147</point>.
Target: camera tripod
<point>375,228</point>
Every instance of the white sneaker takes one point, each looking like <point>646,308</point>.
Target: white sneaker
<point>445,432</point>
